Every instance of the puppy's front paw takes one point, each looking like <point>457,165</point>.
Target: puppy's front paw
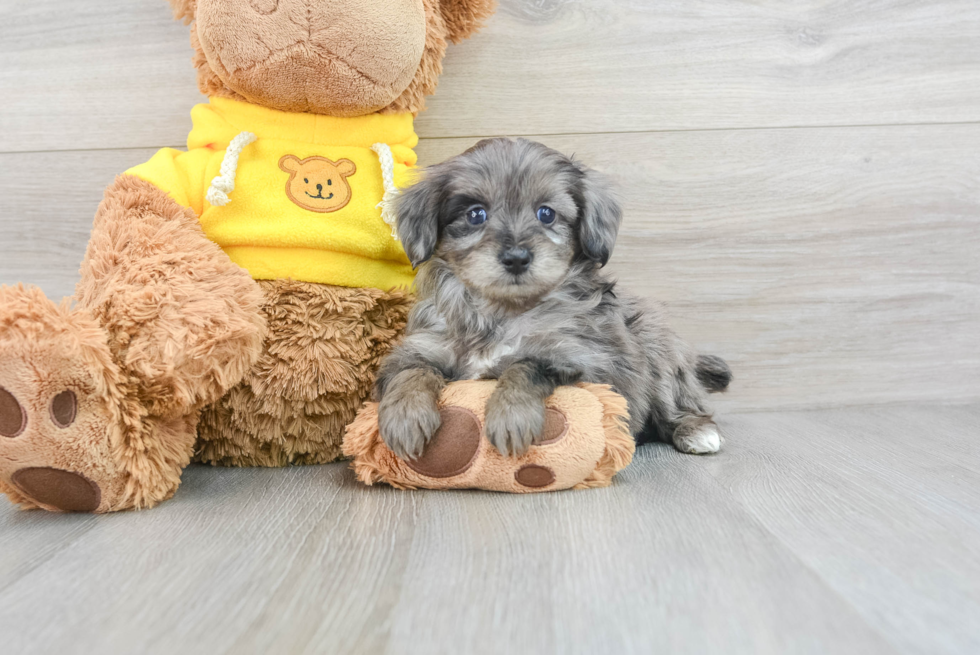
<point>513,421</point>
<point>408,418</point>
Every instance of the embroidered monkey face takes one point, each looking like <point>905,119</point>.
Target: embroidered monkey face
<point>318,184</point>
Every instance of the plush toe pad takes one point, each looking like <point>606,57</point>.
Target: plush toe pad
<point>63,409</point>
<point>555,427</point>
<point>454,446</point>
<point>63,490</point>
<point>534,476</point>
<point>13,419</point>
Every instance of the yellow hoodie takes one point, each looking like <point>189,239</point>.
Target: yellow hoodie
<point>304,202</point>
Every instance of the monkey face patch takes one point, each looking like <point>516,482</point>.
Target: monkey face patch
<point>318,184</point>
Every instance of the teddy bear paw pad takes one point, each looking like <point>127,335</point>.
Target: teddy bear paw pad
<point>453,448</point>
<point>555,427</point>
<point>13,418</point>
<point>534,476</point>
<point>63,490</point>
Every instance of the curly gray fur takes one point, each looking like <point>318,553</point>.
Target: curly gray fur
<point>557,322</point>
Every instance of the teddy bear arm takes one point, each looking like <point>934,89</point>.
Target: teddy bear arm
<point>182,319</point>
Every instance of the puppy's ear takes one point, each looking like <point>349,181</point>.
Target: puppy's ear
<point>600,216</point>
<point>464,17</point>
<point>417,219</point>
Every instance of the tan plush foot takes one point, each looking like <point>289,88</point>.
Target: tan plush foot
<point>585,443</point>
<point>56,381</point>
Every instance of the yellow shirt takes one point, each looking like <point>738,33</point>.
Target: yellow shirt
<point>306,192</point>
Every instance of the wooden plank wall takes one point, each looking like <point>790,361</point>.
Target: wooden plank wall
<point>802,180</point>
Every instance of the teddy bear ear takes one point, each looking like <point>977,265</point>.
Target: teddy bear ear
<point>289,163</point>
<point>184,9</point>
<point>346,167</point>
<point>464,17</point>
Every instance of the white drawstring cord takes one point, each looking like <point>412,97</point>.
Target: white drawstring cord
<point>386,205</point>
<point>224,184</point>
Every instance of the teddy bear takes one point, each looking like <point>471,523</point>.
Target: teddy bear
<point>235,298</point>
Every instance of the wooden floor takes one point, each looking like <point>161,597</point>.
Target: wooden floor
<point>830,531</point>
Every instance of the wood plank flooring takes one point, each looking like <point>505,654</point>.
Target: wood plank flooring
<point>831,531</point>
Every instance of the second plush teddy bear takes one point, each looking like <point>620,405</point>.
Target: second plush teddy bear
<point>235,297</point>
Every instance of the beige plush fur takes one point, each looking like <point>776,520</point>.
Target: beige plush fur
<point>446,20</point>
<point>168,349</point>
<point>596,445</point>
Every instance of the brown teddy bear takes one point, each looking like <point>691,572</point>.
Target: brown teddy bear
<point>236,297</point>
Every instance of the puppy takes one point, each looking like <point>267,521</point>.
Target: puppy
<point>509,238</point>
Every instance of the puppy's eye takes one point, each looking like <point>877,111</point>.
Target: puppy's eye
<point>546,215</point>
<point>476,215</point>
<point>306,179</point>
<point>329,182</point>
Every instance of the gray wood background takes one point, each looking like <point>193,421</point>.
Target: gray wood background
<point>802,180</point>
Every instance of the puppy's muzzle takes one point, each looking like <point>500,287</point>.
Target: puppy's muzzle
<point>516,260</point>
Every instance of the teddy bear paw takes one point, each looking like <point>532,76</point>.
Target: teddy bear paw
<point>54,418</point>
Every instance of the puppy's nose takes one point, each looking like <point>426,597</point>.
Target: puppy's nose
<point>319,188</point>
<point>516,260</point>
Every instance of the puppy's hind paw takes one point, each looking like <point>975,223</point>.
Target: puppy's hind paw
<point>702,439</point>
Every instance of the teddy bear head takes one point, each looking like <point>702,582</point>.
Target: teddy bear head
<point>318,184</point>
<point>339,58</point>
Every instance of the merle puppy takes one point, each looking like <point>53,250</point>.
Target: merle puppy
<point>509,237</point>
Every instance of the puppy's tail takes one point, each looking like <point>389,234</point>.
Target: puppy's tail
<point>713,373</point>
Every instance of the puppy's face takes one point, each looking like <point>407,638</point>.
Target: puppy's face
<point>509,218</point>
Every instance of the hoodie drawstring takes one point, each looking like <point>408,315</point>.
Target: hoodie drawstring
<point>387,205</point>
<point>224,184</point>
